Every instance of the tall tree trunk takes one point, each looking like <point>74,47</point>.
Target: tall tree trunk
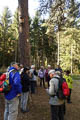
<point>24,44</point>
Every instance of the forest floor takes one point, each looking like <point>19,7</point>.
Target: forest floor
<point>40,109</point>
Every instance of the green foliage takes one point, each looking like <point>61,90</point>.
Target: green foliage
<point>43,35</point>
<point>75,77</point>
<point>70,40</point>
<point>5,37</point>
<point>63,19</point>
<point>8,37</point>
<point>42,45</point>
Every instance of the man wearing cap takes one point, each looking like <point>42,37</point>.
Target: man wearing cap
<point>57,112</point>
<point>11,98</point>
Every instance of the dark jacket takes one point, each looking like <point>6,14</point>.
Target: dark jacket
<point>25,81</point>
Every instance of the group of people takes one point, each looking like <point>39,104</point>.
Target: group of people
<point>23,80</point>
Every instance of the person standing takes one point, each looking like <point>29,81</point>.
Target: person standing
<point>33,79</point>
<point>69,82</point>
<point>11,98</point>
<point>41,75</point>
<point>25,81</point>
<point>56,104</point>
<point>47,77</point>
<point>59,68</point>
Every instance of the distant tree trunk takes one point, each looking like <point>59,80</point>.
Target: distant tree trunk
<point>24,45</point>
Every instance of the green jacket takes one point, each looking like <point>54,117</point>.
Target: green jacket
<point>69,81</point>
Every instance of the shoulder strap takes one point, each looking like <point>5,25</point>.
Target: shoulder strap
<point>13,70</point>
<point>60,82</point>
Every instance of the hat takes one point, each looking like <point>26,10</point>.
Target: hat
<point>13,63</point>
<point>51,71</point>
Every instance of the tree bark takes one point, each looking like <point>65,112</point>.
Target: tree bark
<point>24,45</point>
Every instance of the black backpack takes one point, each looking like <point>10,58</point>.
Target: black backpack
<point>59,92</point>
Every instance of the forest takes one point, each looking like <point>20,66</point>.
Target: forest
<point>53,39</point>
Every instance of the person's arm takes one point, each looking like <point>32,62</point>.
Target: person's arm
<point>71,81</point>
<point>51,88</point>
<point>50,91</point>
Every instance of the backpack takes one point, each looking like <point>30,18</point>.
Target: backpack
<point>63,90</point>
<point>5,86</point>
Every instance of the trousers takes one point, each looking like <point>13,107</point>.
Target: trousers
<point>11,109</point>
<point>24,100</point>
<point>57,112</point>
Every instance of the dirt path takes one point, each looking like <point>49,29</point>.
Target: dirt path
<point>40,109</point>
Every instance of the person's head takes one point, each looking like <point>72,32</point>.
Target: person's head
<point>64,72</point>
<point>32,66</point>
<point>42,67</point>
<point>49,66</point>
<point>67,72</point>
<point>52,73</point>
<point>15,65</point>
<point>26,70</point>
<point>58,73</point>
<point>21,66</point>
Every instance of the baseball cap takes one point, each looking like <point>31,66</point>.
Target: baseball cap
<point>13,63</point>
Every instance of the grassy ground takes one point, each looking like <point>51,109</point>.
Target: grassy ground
<point>76,77</point>
<point>40,109</point>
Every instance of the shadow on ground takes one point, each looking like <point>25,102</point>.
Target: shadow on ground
<point>40,109</point>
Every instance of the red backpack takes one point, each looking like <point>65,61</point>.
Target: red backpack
<point>5,86</point>
<point>63,90</point>
<point>2,79</point>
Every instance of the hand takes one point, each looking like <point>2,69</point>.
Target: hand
<point>18,95</point>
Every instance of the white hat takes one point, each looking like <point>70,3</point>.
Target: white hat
<point>52,71</point>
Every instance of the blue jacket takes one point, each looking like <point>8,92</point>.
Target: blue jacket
<point>15,82</point>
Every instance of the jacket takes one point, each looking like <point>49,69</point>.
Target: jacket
<point>25,81</point>
<point>54,87</point>
<point>34,74</point>
<point>69,81</point>
<point>41,73</point>
<point>15,82</point>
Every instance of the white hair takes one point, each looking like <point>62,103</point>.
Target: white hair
<point>51,71</point>
<point>32,66</point>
